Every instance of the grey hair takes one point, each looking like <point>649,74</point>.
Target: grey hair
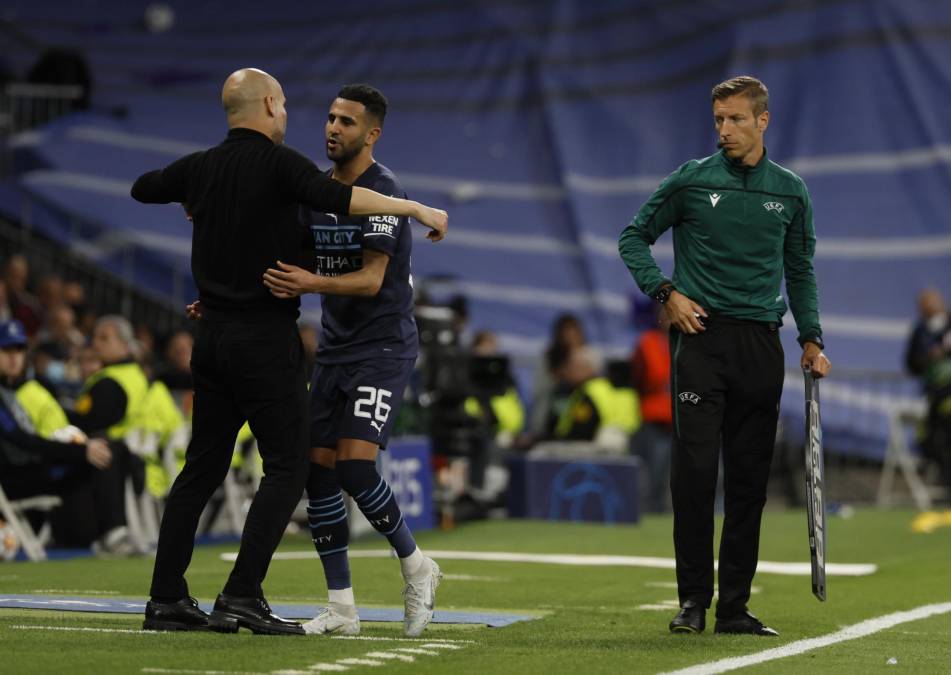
<point>123,330</point>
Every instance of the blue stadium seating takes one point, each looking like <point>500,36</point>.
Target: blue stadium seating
<point>542,127</point>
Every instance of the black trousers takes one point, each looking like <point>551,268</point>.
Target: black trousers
<point>726,384</point>
<point>241,371</point>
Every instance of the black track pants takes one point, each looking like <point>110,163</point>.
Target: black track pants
<point>726,383</point>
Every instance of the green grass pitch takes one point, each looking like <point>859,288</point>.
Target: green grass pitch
<point>590,618</point>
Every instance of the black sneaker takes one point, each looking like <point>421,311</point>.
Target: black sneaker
<point>182,615</point>
<point>743,623</point>
<point>692,618</point>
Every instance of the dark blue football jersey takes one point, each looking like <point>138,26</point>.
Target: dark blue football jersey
<point>357,328</point>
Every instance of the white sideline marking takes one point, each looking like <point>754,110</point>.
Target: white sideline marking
<point>390,655</point>
<point>395,639</point>
<point>429,647</point>
<point>32,601</point>
<point>412,650</point>
<point>673,584</point>
<point>788,568</point>
<point>200,672</point>
<point>469,577</point>
<point>78,629</point>
<point>81,591</point>
<point>377,658</point>
<point>666,605</point>
<point>858,630</point>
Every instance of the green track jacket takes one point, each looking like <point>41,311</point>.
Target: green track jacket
<point>737,229</point>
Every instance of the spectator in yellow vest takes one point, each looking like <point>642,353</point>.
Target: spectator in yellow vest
<point>596,409</point>
<point>111,400</point>
<point>502,409</point>
<point>82,471</point>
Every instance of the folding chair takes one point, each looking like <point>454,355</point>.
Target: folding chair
<point>14,512</point>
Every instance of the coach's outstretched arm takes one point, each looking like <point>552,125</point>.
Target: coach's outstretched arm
<point>300,179</point>
<point>163,186</point>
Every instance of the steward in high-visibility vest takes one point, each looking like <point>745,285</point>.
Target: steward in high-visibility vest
<point>112,399</point>
<point>42,408</point>
<point>506,412</point>
<point>595,404</point>
<point>160,415</point>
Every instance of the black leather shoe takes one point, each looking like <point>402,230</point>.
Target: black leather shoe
<point>232,612</point>
<point>692,618</point>
<point>182,615</point>
<point>743,623</point>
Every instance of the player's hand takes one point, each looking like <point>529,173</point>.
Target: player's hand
<point>435,219</point>
<point>814,360</point>
<point>685,314</point>
<point>98,453</point>
<point>188,213</point>
<point>290,281</point>
<point>193,311</point>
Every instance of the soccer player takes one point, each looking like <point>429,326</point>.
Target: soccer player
<point>741,223</point>
<point>364,360</point>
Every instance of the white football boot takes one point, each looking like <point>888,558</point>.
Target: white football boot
<point>419,598</point>
<point>335,619</point>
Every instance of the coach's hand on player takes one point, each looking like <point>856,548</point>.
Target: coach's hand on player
<point>98,453</point>
<point>813,359</point>
<point>193,311</point>
<point>435,219</point>
<point>290,281</point>
<point>685,314</point>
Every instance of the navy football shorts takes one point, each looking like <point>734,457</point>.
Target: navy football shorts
<point>356,400</point>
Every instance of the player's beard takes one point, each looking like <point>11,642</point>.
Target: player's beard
<point>344,153</point>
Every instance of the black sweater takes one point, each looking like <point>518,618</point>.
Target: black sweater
<point>244,196</point>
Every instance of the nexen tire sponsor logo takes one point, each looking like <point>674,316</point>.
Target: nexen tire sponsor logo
<point>384,224</point>
<point>382,228</point>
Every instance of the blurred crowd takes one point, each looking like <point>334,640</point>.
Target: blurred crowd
<point>577,402</point>
<point>60,325</point>
<point>78,389</point>
<point>83,390</point>
<point>89,403</point>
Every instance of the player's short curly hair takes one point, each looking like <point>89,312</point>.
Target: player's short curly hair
<point>745,85</point>
<point>371,98</point>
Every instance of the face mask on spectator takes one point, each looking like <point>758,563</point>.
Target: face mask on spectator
<point>56,371</point>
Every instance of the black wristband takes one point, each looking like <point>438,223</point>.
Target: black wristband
<point>663,295</point>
